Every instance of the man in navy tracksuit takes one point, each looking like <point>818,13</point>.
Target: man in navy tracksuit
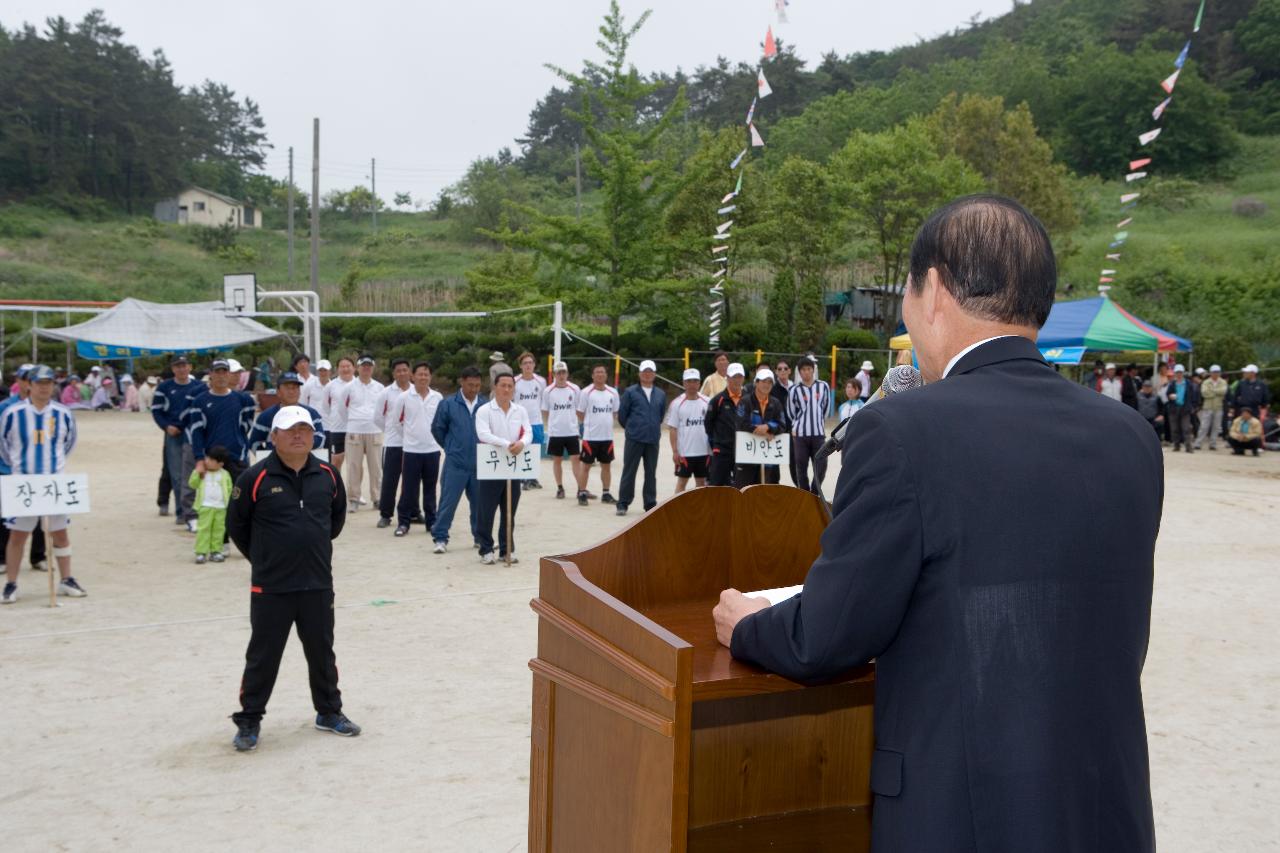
<point>221,417</point>
<point>289,390</point>
<point>454,428</point>
<point>168,408</point>
<point>640,413</point>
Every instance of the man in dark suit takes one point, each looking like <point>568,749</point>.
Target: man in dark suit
<point>1008,647</point>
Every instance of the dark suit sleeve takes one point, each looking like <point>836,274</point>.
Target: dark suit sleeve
<point>857,591</point>
<point>240,512</point>
<point>338,507</point>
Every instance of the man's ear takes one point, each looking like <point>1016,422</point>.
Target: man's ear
<point>929,295</point>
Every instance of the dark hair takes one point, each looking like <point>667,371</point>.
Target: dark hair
<point>218,454</point>
<point>992,255</point>
<point>399,361</point>
<point>527,354</point>
<point>425,364</point>
<point>806,362</point>
<point>716,355</point>
<point>503,374</point>
<point>347,359</point>
<point>302,356</point>
<point>601,367</point>
<point>469,372</point>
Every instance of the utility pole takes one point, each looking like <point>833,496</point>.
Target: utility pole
<point>291,214</point>
<point>315,205</point>
<point>577,168</point>
<point>373,187</point>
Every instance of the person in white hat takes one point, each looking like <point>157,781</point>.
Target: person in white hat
<point>363,446</point>
<point>314,392</point>
<point>865,382</point>
<point>1182,399</point>
<point>640,412</point>
<point>687,431</point>
<point>560,408</point>
<point>1249,392</point>
<point>761,414</point>
<point>497,364</point>
<point>597,408</point>
<point>1110,383</point>
<point>284,513</point>
<point>529,390</point>
<point>722,426</point>
<point>1213,390</point>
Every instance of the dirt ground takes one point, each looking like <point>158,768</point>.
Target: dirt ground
<point>115,706</point>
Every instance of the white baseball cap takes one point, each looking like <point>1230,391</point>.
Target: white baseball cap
<point>1111,365</point>
<point>290,416</point>
<point>1200,371</point>
<point>1251,368</point>
<point>559,366</point>
<point>866,365</point>
<point>1177,368</point>
<point>323,364</point>
<point>234,366</point>
<point>1215,368</point>
<point>648,364</point>
<point>692,373</point>
<point>764,373</point>
<point>736,369</point>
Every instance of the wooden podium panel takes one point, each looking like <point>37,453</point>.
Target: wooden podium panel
<point>648,735</point>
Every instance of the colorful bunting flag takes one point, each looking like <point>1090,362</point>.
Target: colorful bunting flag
<point>718,273</point>
<point>751,113</point>
<point>737,187</point>
<point>1113,257</point>
<point>1117,244</point>
<point>1108,272</point>
<point>738,159</point>
<point>720,260</point>
<point>1105,280</point>
<point>1199,16</point>
<point>763,85</point>
<point>1134,176</point>
<point>1121,236</point>
<point>1159,110</point>
<point>729,209</point>
<point>719,249</point>
<point>728,198</point>
<point>1182,57</point>
<point>1138,164</point>
<point>1149,137</point>
<point>1123,222</point>
<point>723,236</point>
<point>770,46</point>
<point>723,226</point>
<point>1169,82</point>
<point>781,6</point>
<point>1128,197</point>
<point>756,140</point>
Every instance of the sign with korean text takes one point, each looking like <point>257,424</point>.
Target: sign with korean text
<point>495,463</point>
<point>43,494</point>
<point>752,449</point>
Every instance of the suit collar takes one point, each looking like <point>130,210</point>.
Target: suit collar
<point>1009,348</point>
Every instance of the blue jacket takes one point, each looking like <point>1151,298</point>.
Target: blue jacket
<point>225,420</point>
<point>260,435</point>
<point>172,400</point>
<point>641,417</point>
<point>455,429</point>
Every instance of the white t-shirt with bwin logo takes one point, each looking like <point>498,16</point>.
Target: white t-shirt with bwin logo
<point>688,418</point>
<point>561,408</point>
<point>598,407</point>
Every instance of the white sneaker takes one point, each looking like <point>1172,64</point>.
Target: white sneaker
<point>68,586</point>
<point>40,566</point>
<point>10,593</point>
<point>440,547</point>
<point>191,526</point>
<point>488,559</point>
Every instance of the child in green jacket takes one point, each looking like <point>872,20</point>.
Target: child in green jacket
<point>213,492</point>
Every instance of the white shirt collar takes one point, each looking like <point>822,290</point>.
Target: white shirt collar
<point>970,348</point>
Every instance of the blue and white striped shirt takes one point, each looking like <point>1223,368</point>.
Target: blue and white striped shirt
<point>36,442</point>
<point>807,408</point>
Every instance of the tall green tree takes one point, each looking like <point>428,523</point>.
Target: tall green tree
<point>891,182</point>
<point>613,262</point>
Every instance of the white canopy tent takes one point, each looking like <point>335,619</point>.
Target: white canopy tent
<point>134,329</point>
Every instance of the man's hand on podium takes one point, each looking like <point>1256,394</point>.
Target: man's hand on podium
<point>733,607</point>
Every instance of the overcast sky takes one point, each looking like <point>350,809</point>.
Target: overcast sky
<point>425,87</point>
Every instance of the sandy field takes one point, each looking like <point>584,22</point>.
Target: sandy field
<point>115,706</point>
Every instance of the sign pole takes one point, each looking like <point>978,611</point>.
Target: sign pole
<point>53,595</point>
<point>510,523</point>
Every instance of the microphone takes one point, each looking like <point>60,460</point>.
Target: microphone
<point>904,377</point>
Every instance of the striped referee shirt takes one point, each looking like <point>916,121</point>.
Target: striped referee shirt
<point>36,442</point>
<point>807,408</point>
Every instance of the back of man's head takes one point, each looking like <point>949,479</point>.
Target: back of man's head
<point>993,256</point>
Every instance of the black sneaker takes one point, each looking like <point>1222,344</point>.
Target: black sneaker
<point>338,724</point>
<point>384,522</point>
<point>534,484</point>
<point>582,498</point>
<point>559,492</point>
<point>164,510</point>
<point>401,530</point>
<point>246,739</point>
<point>607,498</point>
<point>621,510</point>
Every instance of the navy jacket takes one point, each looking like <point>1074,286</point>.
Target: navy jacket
<point>260,434</point>
<point>1008,646</point>
<point>225,419</point>
<point>455,429</point>
<point>172,400</point>
<point>641,417</point>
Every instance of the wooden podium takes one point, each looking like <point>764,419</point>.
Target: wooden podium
<point>647,735</point>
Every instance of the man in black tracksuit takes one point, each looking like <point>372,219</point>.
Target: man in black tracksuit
<point>721,422</point>
<point>284,514</point>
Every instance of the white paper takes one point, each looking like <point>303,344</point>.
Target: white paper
<point>495,463</point>
<point>752,449</point>
<point>777,595</point>
<point>25,495</point>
